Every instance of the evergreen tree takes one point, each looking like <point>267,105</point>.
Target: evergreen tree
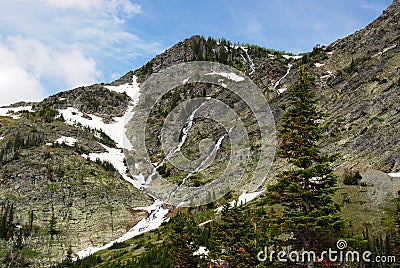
<point>182,241</point>
<point>222,55</point>
<point>234,238</point>
<point>305,191</point>
<point>396,235</point>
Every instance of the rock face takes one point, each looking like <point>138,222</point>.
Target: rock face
<point>73,202</point>
<point>363,93</point>
<point>95,99</point>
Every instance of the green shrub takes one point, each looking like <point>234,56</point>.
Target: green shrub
<point>352,178</point>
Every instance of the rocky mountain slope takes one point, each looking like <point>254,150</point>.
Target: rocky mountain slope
<point>62,159</point>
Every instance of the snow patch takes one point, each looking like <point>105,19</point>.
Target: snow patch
<point>327,75</point>
<point>317,64</point>
<point>281,90</point>
<point>115,130</point>
<point>283,77</point>
<point>1,138</point>
<point>394,175</point>
<point>247,197</point>
<point>249,59</point>
<point>66,140</point>
<point>389,48</point>
<point>185,80</point>
<point>219,209</point>
<point>243,199</point>
<point>131,89</point>
<point>13,112</point>
<point>204,223</point>
<point>292,57</point>
<point>385,50</point>
<point>202,251</point>
<point>230,76</point>
<point>116,158</point>
<point>157,213</point>
<point>152,222</point>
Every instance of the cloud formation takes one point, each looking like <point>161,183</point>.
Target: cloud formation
<point>63,44</point>
<point>16,83</point>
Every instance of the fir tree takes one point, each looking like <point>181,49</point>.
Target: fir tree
<point>182,241</point>
<point>306,190</point>
<point>396,235</point>
<point>234,238</point>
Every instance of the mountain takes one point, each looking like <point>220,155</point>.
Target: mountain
<point>65,182</point>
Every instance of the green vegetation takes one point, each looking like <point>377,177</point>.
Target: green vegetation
<point>305,191</point>
<point>317,54</point>
<point>352,178</point>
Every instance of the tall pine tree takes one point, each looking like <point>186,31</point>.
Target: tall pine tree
<point>305,191</point>
<point>234,238</point>
<point>182,241</point>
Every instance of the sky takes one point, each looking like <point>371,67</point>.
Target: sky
<point>47,46</point>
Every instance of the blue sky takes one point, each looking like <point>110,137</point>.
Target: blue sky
<point>49,45</point>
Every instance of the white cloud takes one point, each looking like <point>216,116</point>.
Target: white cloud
<point>65,43</point>
<point>71,65</point>
<point>16,83</point>
<point>116,7</point>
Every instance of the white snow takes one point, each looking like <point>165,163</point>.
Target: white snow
<point>317,64</point>
<point>156,218</point>
<point>116,158</point>
<point>389,48</point>
<point>330,53</point>
<point>185,80</point>
<point>243,199</point>
<point>327,75</point>
<point>66,140</point>
<point>157,213</point>
<point>131,89</point>
<point>202,164</point>
<point>13,112</point>
<point>219,209</point>
<point>249,60</point>
<point>205,222</point>
<point>247,197</point>
<point>394,175</point>
<point>317,180</point>
<point>385,50</point>
<point>1,138</point>
<point>115,130</point>
<point>49,144</point>
<point>202,251</point>
<point>281,90</point>
<point>230,76</point>
<point>283,77</point>
<point>292,57</point>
